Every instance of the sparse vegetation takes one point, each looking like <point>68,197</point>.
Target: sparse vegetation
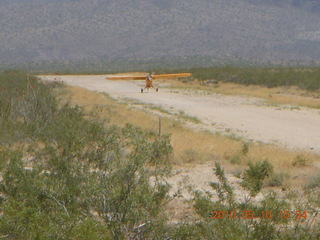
<point>270,218</point>
<point>67,174</point>
<point>283,97</point>
<point>235,159</point>
<point>245,148</point>
<point>277,179</point>
<point>305,78</point>
<point>314,182</point>
<point>300,161</point>
<point>186,117</point>
<point>210,146</point>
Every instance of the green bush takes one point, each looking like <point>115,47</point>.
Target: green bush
<point>254,176</point>
<point>26,106</point>
<point>80,179</point>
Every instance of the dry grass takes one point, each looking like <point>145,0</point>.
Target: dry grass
<point>192,147</point>
<point>208,145</point>
<point>278,95</point>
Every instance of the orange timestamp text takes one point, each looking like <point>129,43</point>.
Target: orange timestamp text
<point>245,214</point>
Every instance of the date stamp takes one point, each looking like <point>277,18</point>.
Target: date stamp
<point>245,214</point>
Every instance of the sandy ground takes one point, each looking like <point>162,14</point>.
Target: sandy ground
<point>241,116</point>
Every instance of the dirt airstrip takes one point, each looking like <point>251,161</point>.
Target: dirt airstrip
<point>294,128</point>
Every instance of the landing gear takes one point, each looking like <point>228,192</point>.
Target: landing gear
<point>142,89</point>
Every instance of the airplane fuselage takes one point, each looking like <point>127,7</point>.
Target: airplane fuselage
<point>149,83</point>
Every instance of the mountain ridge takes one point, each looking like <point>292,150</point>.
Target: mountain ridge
<point>46,30</point>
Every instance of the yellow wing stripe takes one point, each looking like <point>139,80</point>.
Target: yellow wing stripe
<point>172,75</point>
<point>126,78</point>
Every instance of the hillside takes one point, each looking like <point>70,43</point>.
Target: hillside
<point>312,6</point>
<point>77,30</point>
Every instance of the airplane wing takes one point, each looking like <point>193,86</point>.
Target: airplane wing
<point>126,78</point>
<point>156,76</point>
<point>172,75</point>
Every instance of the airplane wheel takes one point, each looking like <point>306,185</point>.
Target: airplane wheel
<point>157,89</point>
<point>141,90</point>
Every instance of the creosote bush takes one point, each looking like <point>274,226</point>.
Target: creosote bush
<point>73,178</point>
<point>254,176</point>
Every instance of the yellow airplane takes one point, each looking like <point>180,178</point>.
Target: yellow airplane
<point>150,77</point>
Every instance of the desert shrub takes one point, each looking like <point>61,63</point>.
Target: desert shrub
<point>83,180</point>
<point>26,106</point>
<point>276,179</point>
<point>223,188</point>
<point>314,182</point>
<point>236,159</point>
<point>245,148</point>
<point>300,161</point>
<point>71,180</point>
<point>254,176</point>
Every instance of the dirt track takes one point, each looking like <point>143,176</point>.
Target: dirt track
<point>245,117</point>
